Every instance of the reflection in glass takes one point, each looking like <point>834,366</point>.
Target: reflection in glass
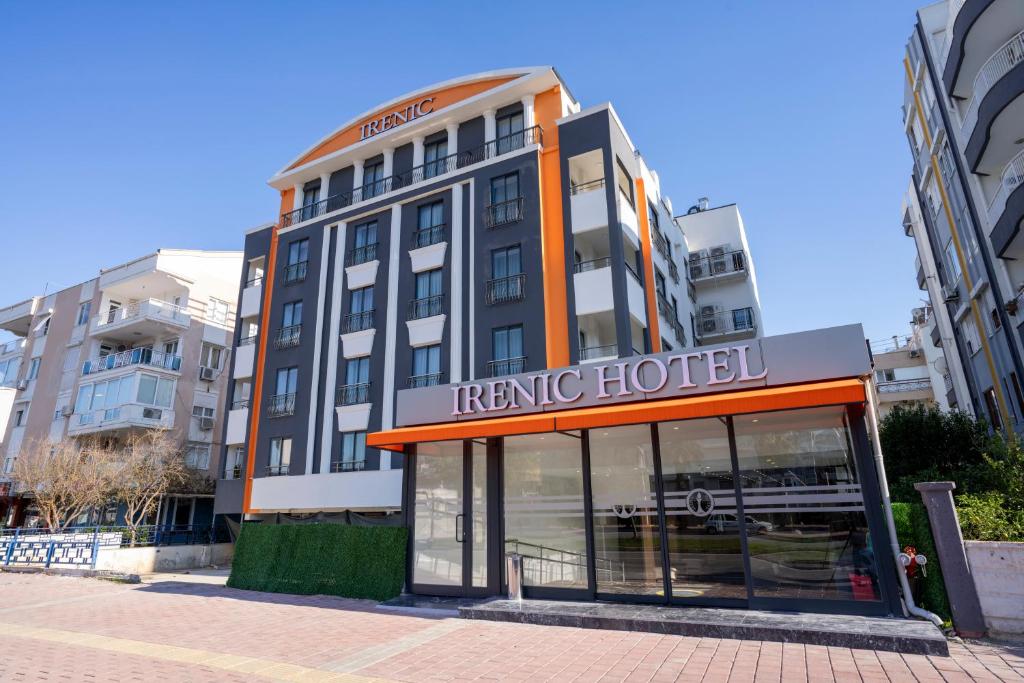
<point>627,542</point>
<point>805,525</point>
<point>478,513</point>
<point>544,516</point>
<point>703,537</point>
<point>437,552</point>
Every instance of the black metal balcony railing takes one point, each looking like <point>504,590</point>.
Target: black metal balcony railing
<point>592,264</point>
<point>661,245</point>
<point>363,254</point>
<point>717,264</point>
<point>240,404</point>
<point>429,380</point>
<point>632,271</point>
<point>665,307</point>
<point>287,337</point>
<point>506,366</point>
<point>728,322</point>
<point>600,351</point>
<point>348,465</point>
<point>503,213</point>
<point>673,271</point>
<point>588,186</point>
<point>353,394</point>
<point>424,237</point>
<point>277,470</point>
<point>246,341</point>
<point>680,332</point>
<point>357,322</point>
<point>691,290</point>
<point>505,289</point>
<point>426,307</point>
<point>430,169</point>
<point>281,405</point>
<point>295,272</point>
<point>254,282</point>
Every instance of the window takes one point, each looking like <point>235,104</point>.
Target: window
<point>83,313</point>
<point>507,351</point>
<point>1017,391</point>
<point>197,457</point>
<point>280,455</point>
<point>43,328</point>
<point>652,218</point>
<point>659,283</point>
<point>287,380</point>
<point>952,263</point>
<point>33,368</point>
<point>509,129</point>
<point>625,183</point>
<point>434,155</point>
<point>743,319</point>
<point>298,261</point>
<point>310,196</point>
<point>70,360</point>
<point>217,311</point>
<point>353,452</point>
<point>153,390</point>
<point>886,375</point>
<point>241,394</point>
<point>202,411</point>
<point>211,356</point>
<point>505,188</point>
<point>357,371</point>
<point>665,346</point>
<point>254,276</point>
<point>364,244</point>
<point>506,203</point>
<point>428,283</point>
<point>430,215</point>
<point>234,462</point>
<point>292,314</point>
<point>996,322</point>
<point>426,365</point>
<point>373,177</point>
<point>361,300</point>
<point>171,347</point>
<point>993,409</point>
<point>19,418</point>
<point>970,333</point>
<point>506,262</point>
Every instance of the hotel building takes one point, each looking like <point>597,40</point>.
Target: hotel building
<point>477,228</point>
<point>964,119</point>
<point>142,346</point>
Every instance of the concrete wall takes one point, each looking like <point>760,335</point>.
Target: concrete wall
<point>166,558</point>
<point>997,569</point>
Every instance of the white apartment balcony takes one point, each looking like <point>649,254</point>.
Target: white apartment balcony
<point>589,206</point>
<point>597,337</point>
<point>252,298</point>
<point>245,358</point>
<point>17,318</point>
<point>1007,56</point>
<point>919,389</point>
<point>635,297</point>
<point>592,284</point>
<point>715,267</point>
<point>128,416</point>
<point>627,216</point>
<point>1012,178</point>
<point>141,319</point>
<point>238,419</point>
<point>715,326</point>
<point>135,359</point>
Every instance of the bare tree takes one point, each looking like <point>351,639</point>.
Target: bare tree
<point>65,477</point>
<point>147,465</point>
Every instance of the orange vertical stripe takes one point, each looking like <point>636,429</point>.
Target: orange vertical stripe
<point>547,110</point>
<point>645,249</point>
<point>261,356</point>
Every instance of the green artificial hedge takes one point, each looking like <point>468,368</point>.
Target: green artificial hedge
<point>913,529</point>
<point>321,559</point>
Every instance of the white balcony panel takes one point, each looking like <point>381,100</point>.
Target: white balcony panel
<point>594,291</point>
<point>148,318</point>
<point>589,210</point>
<point>636,299</point>
<point>357,344</point>
<point>426,331</point>
<point>429,257</point>
<point>244,361</point>
<point>627,216</point>
<point>368,490</point>
<point>362,275</point>
<point>354,418</point>
<point>17,318</point>
<point>252,299</point>
<point>127,416</point>
<point>237,432</point>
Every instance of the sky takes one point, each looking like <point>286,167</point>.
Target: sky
<point>133,126</point>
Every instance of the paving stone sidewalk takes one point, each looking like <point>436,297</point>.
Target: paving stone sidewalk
<point>69,629</point>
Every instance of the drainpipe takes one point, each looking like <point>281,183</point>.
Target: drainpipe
<point>883,484</point>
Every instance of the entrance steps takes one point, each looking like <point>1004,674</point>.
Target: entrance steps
<point>908,636</point>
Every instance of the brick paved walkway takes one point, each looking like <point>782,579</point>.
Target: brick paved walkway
<point>64,629</point>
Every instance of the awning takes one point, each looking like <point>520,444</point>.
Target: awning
<point>735,403</point>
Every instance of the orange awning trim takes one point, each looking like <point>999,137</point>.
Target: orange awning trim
<point>736,403</point>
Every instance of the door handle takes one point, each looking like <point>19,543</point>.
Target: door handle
<point>460,532</point>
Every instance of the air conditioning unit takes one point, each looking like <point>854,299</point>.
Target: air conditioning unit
<point>950,293</point>
<point>709,311</point>
<point>207,374</point>
<point>23,385</point>
<point>696,264</point>
<point>709,325</point>
<point>152,413</point>
<point>206,423</point>
<point>717,256</point>
<point>67,411</point>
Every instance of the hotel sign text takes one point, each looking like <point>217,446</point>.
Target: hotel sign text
<point>396,118</point>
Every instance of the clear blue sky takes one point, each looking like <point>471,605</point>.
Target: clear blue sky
<point>134,126</point>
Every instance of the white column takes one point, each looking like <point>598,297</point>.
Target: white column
<point>490,126</point>
<point>453,138</point>
<point>417,151</point>
<point>314,390</point>
<point>297,199</point>
<point>357,174</point>
<point>528,111</point>
<point>455,325</point>
<point>389,161</point>
<point>387,416</point>
<point>471,230</point>
<point>325,186</point>
<point>327,426</point>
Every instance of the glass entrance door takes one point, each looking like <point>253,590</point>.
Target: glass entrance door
<point>450,519</point>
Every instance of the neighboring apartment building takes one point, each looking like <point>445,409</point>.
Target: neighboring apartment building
<point>144,345</point>
<point>964,118</point>
<point>477,228</point>
<point>911,370</point>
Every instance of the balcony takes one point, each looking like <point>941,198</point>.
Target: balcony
<point>12,347</point>
<point>238,419</point>
<point>661,245</point>
<point>427,171</point>
<point>252,298</point>
<point>123,417</point>
<point>592,286</point>
<point>277,470</point>
<point>429,380</point>
<point>588,206</point>
<point>993,118</point>
<point>357,322</point>
<point>1007,209</point>
<point>352,394</point>
<point>673,271</point>
<point>905,386</point>
<point>722,326</point>
<point>348,465</point>
<point>591,264</point>
<point>17,318</point>
<point>426,307</point>
<point>288,337</point>
<point>360,255</point>
<point>503,290</point>
<point>281,405</point>
<point>295,272</point>
<point>425,237</point>
<point>148,318</point>
<point>506,366</point>
<point>1012,178</point>
<point>503,213</point>
<point>145,357</point>
<point>600,352</point>
<point>728,265</point>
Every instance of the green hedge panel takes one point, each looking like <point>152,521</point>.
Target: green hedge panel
<point>913,528</point>
<point>320,559</point>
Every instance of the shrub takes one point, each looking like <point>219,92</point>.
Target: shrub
<point>917,438</point>
<point>913,529</point>
<point>986,517</point>
<point>315,559</point>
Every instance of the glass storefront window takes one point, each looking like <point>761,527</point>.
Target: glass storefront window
<point>437,551</point>
<point>705,556</point>
<point>478,513</point>
<point>627,538</point>
<point>544,512</point>
<point>805,521</point>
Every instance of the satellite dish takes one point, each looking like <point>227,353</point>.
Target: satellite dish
<point>940,365</point>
